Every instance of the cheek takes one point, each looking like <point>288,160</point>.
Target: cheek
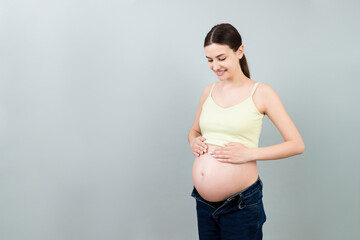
<point>230,68</point>
<point>233,67</point>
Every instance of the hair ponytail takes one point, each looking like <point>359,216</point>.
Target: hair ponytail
<point>244,66</point>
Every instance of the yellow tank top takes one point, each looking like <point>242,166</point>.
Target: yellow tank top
<point>240,123</point>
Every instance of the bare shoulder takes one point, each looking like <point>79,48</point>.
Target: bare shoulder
<point>267,92</point>
<point>263,94</point>
<point>206,92</point>
<point>264,89</point>
<point>207,88</point>
<point>268,98</point>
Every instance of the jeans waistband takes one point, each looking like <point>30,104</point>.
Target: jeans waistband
<point>247,192</point>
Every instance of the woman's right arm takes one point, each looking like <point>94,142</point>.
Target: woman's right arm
<point>195,130</point>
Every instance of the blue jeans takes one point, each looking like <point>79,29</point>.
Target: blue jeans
<point>240,217</point>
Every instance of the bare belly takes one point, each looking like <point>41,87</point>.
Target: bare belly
<point>216,181</point>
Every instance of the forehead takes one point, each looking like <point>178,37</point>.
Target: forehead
<point>215,49</point>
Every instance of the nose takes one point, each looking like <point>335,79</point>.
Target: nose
<point>215,66</point>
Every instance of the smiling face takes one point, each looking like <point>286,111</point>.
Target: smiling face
<point>223,61</point>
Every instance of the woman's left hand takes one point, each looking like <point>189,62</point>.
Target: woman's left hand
<point>232,153</point>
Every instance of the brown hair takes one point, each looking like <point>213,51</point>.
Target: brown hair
<point>225,33</point>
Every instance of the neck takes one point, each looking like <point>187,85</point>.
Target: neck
<point>238,80</point>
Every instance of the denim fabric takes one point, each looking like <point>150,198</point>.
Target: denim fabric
<point>240,217</point>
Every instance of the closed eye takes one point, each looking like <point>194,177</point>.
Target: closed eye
<point>219,59</point>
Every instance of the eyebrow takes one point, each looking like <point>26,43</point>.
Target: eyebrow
<point>217,55</point>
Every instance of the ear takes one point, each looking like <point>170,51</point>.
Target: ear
<point>240,51</point>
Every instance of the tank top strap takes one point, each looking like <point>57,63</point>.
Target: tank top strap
<point>212,87</point>
<point>256,84</point>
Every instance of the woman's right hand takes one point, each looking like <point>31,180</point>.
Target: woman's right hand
<point>198,146</point>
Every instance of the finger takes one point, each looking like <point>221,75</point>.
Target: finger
<point>224,160</point>
<point>227,157</point>
<point>213,150</point>
<point>203,149</point>
<point>219,149</point>
<point>226,149</point>
<point>200,145</point>
<point>222,152</point>
<point>223,156</point>
<point>234,144</point>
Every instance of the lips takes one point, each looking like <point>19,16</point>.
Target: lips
<point>220,73</point>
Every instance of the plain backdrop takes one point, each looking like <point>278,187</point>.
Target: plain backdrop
<point>97,99</point>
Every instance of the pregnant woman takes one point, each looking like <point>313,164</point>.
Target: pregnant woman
<point>224,139</point>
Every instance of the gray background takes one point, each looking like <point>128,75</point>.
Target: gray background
<point>97,99</point>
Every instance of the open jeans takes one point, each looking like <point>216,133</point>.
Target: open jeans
<point>240,217</point>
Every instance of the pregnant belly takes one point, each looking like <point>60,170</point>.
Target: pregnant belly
<point>216,181</point>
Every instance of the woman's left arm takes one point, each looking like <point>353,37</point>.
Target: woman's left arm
<point>274,109</point>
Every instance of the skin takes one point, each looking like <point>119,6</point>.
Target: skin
<point>266,101</point>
